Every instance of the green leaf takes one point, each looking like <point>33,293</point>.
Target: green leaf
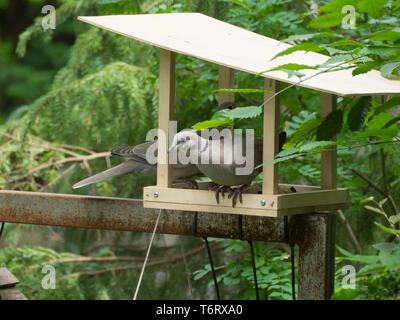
<point>372,7</point>
<point>395,218</point>
<point>345,42</point>
<point>330,126</point>
<point>388,133</point>
<point>306,46</point>
<point>385,246</point>
<point>337,5</point>
<point>303,131</point>
<point>308,36</point>
<point>277,160</point>
<point>391,122</point>
<point>293,66</point>
<point>392,261</point>
<point>381,50</point>
<point>244,112</point>
<point>382,202</point>
<point>358,113</point>
<point>211,124</point>
<point>366,67</point>
<point>338,58</point>
<point>388,68</point>
<point>244,90</point>
<point>327,21</point>
<point>369,199</point>
<point>373,209</point>
<point>393,102</point>
<point>316,145</point>
<point>387,35</point>
<point>371,268</point>
<point>386,229</point>
<point>362,258</point>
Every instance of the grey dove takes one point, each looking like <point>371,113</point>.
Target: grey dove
<point>137,163</point>
<point>225,171</point>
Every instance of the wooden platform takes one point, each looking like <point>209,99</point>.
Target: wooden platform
<point>306,199</point>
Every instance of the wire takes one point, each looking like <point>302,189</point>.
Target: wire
<point>253,260</point>
<point>293,270</point>
<point>212,268</point>
<point>147,256</point>
<point>2,228</point>
<point>292,253</point>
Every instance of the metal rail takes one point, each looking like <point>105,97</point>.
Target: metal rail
<point>313,233</point>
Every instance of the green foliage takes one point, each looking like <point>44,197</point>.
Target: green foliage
<point>331,125</point>
<point>358,113</point>
<point>273,271</point>
<point>380,267</point>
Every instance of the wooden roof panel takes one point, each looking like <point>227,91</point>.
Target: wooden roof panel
<point>209,39</point>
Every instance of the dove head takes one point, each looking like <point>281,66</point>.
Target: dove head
<point>230,105</point>
<point>190,140</point>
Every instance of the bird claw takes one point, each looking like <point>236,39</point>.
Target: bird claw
<point>191,184</point>
<point>236,193</point>
<point>220,190</point>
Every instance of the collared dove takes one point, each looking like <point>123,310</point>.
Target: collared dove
<point>232,158</point>
<point>137,163</point>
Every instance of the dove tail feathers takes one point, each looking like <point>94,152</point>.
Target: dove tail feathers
<point>126,167</point>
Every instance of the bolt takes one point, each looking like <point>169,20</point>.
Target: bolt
<point>156,194</point>
<point>263,202</point>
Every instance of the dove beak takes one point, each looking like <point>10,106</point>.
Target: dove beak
<point>204,147</point>
<point>172,147</point>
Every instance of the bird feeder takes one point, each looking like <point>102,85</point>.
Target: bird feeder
<point>234,48</point>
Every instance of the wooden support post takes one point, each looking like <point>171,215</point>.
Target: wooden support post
<point>315,236</point>
<point>328,155</point>
<point>271,137</point>
<point>226,81</point>
<point>165,114</point>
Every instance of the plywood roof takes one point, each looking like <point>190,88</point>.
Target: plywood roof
<point>209,39</point>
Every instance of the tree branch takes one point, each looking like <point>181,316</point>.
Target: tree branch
<point>350,232</point>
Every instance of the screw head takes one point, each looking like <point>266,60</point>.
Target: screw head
<point>263,202</point>
<point>156,194</point>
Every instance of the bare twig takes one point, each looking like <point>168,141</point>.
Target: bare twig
<point>95,259</point>
<point>350,232</point>
<point>62,161</point>
<point>377,188</point>
<point>64,173</point>
<point>308,78</point>
<point>187,269</point>
<point>171,259</point>
<point>152,5</point>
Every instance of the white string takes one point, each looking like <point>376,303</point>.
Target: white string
<point>147,256</point>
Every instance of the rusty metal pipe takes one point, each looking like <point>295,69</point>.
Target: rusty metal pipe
<point>313,233</point>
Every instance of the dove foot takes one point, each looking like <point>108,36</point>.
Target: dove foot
<point>191,183</point>
<point>236,193</point>
<point>220,190</point>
